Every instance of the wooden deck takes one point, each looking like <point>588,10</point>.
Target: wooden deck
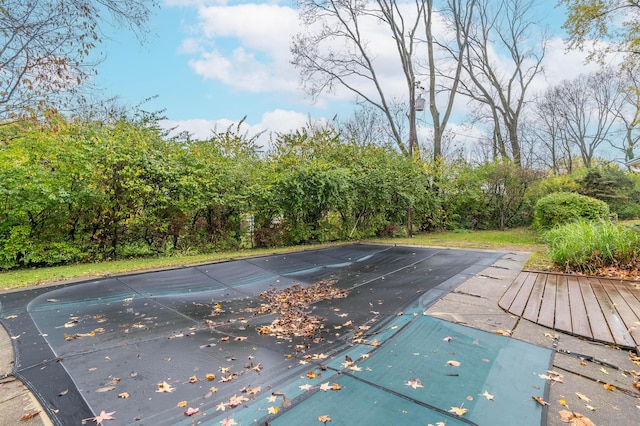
<point>602,309</point>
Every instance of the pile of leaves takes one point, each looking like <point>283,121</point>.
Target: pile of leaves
<point>292,305</point>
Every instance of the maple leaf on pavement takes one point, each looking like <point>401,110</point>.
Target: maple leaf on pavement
<point>102,417</point>
<point>576,419</point>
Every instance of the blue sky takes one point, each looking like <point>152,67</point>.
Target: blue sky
<point>210,63</point>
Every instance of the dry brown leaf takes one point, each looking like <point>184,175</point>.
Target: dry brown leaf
<point>30,415</point>
<point>458,411</point>
<point>181,404</point>
<point>576,419</point>
<point>609,387</point>
<point>191,411</point>
<point>210,377</point>
<point>193,379</point>
<point>453,363</point>
<point>123,395</point>
<point>540,401</point>
<point>414,383</point>
<point>583,397</point>
<point>165,387</point>
<point>324,418</point>
<point>102,417</point>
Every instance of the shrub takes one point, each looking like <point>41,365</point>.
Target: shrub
<point>564,207</point>
<point>586,246</point>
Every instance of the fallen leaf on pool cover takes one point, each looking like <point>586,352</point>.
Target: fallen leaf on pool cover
<point>324,418</point>
<point>193,379</point>
<point>609,387</point>
<point>458,411</point>
<point>273,410</point>
<point>210,376</point>
<point>540,401</point>
<point>487,395</point>
<point>165,387</point>
<point>191,411</point>
<point>228,422</point>
<point>123,395</point>
<point>576,419</point>
<point>453,363</point>
<point>311,375</point>
<point>182,404</point>
<point>254,391</point>
<point>414,383</point>
<point>236,400</point>
<point>325,386</point>
<point>102,417</point>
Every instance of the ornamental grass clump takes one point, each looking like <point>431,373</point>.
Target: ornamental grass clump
<point>587,246</point>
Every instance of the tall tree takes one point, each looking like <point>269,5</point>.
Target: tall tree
<point>338,49</point>
<point>588,111</point>
<point>443,79</point>
<point>47,47</point>
<point>614,22</point>
<point>504,55</point>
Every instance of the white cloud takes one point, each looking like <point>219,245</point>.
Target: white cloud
<point>245,46</point>
<point>277,121</point>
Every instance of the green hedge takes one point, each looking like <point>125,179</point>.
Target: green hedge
<point>564,207</point>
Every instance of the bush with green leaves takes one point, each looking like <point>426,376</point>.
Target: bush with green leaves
<point>611,185</point>
<point>586,246</point>
<point>563,207</point>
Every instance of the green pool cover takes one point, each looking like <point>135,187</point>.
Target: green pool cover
<point>417,370</point>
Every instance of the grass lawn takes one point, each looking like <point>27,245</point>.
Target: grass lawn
<point>521,239</point>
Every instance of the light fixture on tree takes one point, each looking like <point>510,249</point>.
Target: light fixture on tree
<point>419,103</point>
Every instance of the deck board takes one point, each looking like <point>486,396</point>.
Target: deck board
<point>622,315</point>
<point>579,317</point>
<point>532,308</point>
<point>597,320</point>
<point>507,298</point>
<point>597,308</point>
<point>547,313</point>
<point>521,299</point>
<point>563,313</point>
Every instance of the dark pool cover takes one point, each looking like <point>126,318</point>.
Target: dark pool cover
<point>148,346</point>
